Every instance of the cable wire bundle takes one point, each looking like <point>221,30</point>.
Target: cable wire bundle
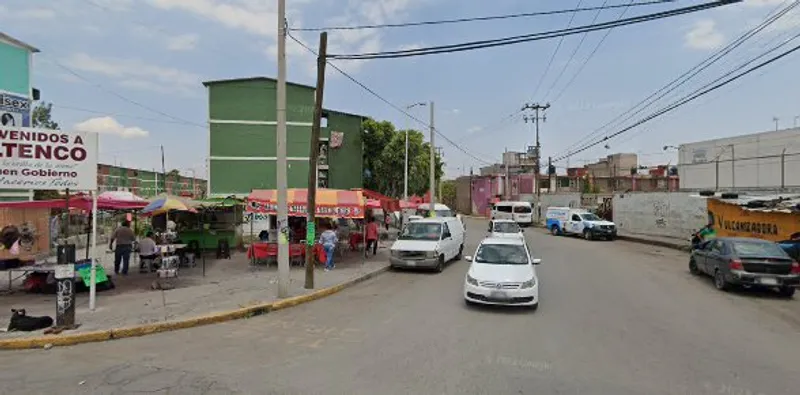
<point>473,45</point>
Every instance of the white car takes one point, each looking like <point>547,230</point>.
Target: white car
<point>502,273</point>
<point>505,228</point>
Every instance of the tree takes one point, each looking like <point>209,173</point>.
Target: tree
<point>384,160</point>
<point>42,116</point>
<point>449,193</point>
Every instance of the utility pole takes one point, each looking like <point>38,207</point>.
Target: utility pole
<point>405,171</point>
<point>164,171</point>
<point>471,174</point>
<point>549,174</point>
<point>281,176</point>
<point>433,164</point>
<point>536,107</point>
<point>314,158</point>
<point>506,183</point>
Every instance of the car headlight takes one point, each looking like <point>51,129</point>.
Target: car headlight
<point>395,253</point>
<point>471,280</point>
<point>529,284</point>
<point>430,254</point>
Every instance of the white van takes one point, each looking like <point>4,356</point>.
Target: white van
<point>519,212</point>
<point>576,221</point>
<point>428,243</point>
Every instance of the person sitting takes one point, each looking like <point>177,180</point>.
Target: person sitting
<point>148,251</point>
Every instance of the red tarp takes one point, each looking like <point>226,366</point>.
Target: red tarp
<point>331,203</point>
<point>82,202</point>
<point>388,204</point>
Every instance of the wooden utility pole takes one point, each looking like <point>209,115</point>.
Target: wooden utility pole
<point>316,125</point>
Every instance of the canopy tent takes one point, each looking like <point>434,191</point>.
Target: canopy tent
<point>404,204</point>
<point>372,203</point>
<point>120,196</point>
<point>82,202</point>
<point>331,203</point>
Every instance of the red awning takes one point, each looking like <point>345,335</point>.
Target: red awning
<point>82,202</point>
<point>331,203</point>
<point>388,204</point>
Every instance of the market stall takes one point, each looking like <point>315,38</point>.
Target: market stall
<point>330,204</point>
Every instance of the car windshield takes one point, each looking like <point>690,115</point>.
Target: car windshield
<point>522,209</point>
<point>590,217</point>
<point>502,254</point>
<point>757,249</point>
<point>421,231</point>
<point>506,227</point>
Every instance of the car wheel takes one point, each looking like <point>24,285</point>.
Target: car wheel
<point>587,235</point>
<point>554,230</point>
<point>440,264</point>
<point>786,292</point>
<point>693,267</point>
<point>719,281</point>
<point>460,252</point>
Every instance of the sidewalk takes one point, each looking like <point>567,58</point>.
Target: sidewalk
<point>668,242</point>
<point>228,285</point>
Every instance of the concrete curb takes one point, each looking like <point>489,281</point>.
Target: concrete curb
<point>658,243</point>
<point>213,318</point>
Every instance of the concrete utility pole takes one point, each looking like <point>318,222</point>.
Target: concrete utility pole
<point>281,176</point>
<point>433,164</point>
<point>316,125</point>
<point>405,173</point>
<point>536,107</point>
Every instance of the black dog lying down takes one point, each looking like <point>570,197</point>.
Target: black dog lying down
<point>21,322</point>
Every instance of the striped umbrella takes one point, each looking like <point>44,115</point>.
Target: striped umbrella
<point>165,204</point>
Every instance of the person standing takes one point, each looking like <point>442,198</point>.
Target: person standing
<point>372,237</point>
<point>328,239</point>
<point>124,237</point>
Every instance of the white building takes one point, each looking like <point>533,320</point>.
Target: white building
<point>769,160</point>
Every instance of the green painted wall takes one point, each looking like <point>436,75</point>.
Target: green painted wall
<point>254,100</point>
<point>14,73</point>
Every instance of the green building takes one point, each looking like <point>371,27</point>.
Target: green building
<point>242,138</point>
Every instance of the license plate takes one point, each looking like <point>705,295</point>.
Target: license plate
<point>411,263</point>
<point>498,295</point>
<point>768,281</point>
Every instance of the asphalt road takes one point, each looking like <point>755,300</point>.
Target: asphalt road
<point>615,318</point>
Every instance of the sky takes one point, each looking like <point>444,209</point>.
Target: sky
<point>132,70</point>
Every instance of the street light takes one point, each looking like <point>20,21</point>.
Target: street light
<point>405,179</point>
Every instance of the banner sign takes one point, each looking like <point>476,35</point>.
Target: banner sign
<point>731,220</point>
<point>15,110</point>
<point>301,210</point>
<point>47,159</point>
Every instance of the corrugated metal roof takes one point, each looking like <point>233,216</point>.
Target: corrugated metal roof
<point>786,203</point>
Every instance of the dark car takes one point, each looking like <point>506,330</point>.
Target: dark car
<point>743,261</point>
<point>792,247</point>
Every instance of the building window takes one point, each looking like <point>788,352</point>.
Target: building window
<point>324,147</point>
<point>322,178</point>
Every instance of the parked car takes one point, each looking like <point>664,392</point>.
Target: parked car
<point>746,261</point>
<point>792,246</point>
<point>579,222</point>
<point>428,243</point>
<point>505,228</point>
<point>502,272</point>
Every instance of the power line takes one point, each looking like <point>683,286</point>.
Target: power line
<point>469,46</point>
<point>390,104</point>
<point>555,51</point>
<point>698,93</point>
<point>476,19</point>
<point>131,101</point>
<point>588,58</point>
<point>686,76</point>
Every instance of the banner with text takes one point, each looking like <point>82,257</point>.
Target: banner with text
<point>47,159</point>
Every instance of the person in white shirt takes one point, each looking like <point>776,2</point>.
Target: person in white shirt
<point>148,250</point>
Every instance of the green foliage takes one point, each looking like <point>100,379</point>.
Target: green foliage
<point>384,160</point>
<point>449,193</point>
<point>47,194</point>
<point>42,116</point>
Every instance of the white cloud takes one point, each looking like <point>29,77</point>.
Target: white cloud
<point>259,17</point>
<point>704,35</point>
<point>108,125</point>
<point>762,3</point>
<point>134,73</point>
<point>183,42</point>
<point>26,13</point>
